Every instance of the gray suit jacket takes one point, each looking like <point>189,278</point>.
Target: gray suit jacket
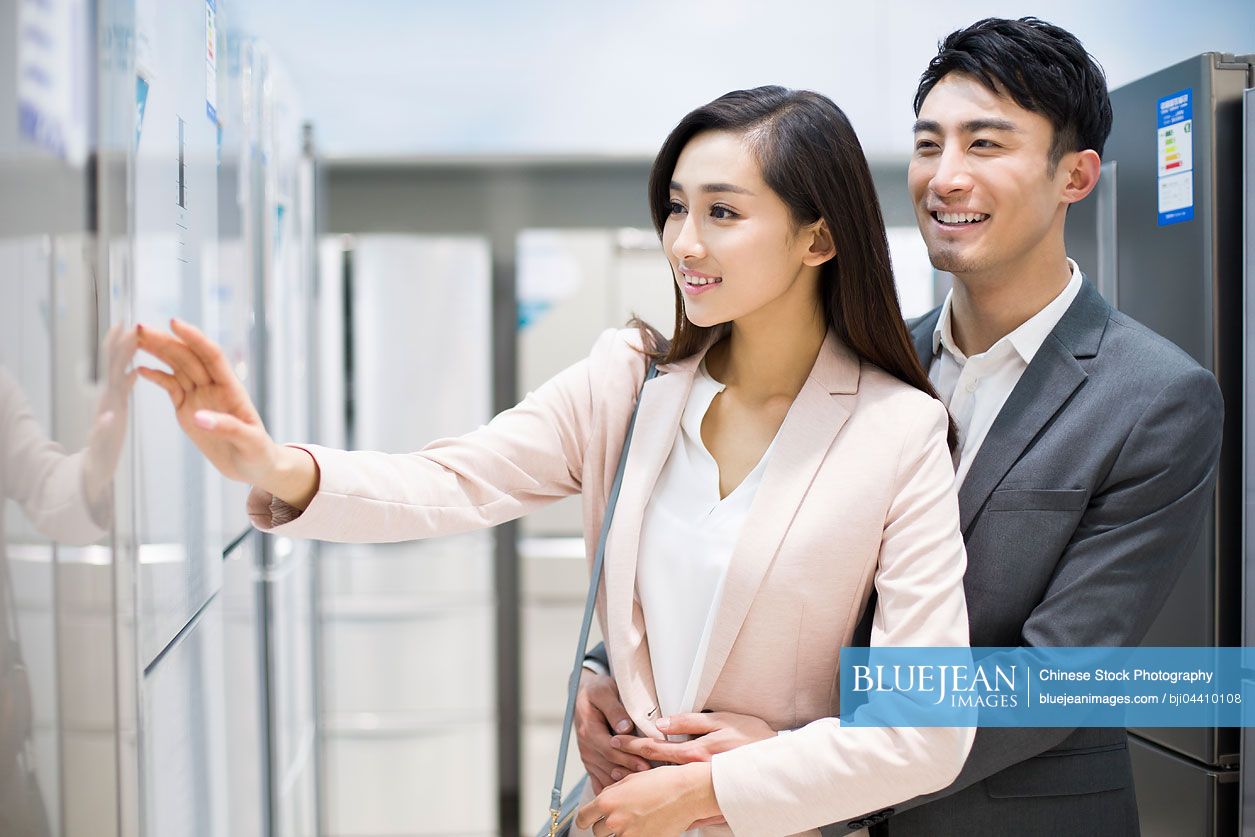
<point>1079,512</point>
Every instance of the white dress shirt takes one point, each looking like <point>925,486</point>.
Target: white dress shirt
<point>687,538</point>
<point>975,388</point>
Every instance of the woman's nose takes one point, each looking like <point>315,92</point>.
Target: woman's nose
<point>688,242</point>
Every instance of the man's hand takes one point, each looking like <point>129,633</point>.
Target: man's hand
<point>716,732</point>
<point>598,716</point>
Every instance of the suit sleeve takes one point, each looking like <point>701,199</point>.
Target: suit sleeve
<point>1130,547</point>
<point>527,456</point>
<point>598,657</point>
<point>824,771</point>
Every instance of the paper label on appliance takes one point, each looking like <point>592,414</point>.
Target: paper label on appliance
<point>52,82</point>
<point>141,105</point>
<point>1176,194</point>
<point>1176,157</point>
<point>211,60</point>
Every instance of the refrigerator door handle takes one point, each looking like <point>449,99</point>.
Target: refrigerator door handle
<point>1108,267</point>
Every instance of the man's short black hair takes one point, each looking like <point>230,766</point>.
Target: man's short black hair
<point>1043,68</point>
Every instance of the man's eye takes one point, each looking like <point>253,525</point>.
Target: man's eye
<point>925,145</point>
<point>984,143</point>
<point>721,213</point>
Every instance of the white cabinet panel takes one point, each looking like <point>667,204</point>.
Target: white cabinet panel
<point>245,706</point>
<point>184,729</point>
<point>439,781</point>
<point>456,568</point>
<point>422,329</point>
<point>291,664</point>
<point>410,662</point>
<point>540,758</point>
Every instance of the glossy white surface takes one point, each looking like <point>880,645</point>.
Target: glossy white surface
<point>183,750</point>
<point>178,497</point>
<point>432,781</point>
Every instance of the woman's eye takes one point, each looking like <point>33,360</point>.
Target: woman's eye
<point>721,213</point>
<point>675,207</point>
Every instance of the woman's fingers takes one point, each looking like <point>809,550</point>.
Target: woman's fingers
<point>630,763</point>
<point>119,350</point>
<point>166,381</point>
<point>207,351</point>
<point>672,752</point>
<point>589,814</point>
<point>225,425</point>
<point>690,723</point>
<point>182,361</point>
<point>183,379</point>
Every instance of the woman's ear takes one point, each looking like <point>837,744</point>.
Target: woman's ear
<point>821,247</point>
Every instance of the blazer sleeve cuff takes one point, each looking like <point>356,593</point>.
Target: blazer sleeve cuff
<point>825,773</point>
<point>270,514</point>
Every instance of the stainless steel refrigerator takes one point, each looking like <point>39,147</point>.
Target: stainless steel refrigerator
<point>1162,237</point>
<point>168,649</point>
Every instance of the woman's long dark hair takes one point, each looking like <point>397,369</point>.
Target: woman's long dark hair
<point>811,158</point>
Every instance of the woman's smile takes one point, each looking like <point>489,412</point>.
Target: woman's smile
<point>697,283</point>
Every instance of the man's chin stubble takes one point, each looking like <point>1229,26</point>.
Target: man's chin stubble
<point>951,262</point>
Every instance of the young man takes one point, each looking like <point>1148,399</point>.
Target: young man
<point>1087,444</point>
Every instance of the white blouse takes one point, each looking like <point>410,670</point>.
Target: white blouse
<point>687,538</point>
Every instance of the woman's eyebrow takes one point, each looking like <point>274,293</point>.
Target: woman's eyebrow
<point>710,188</point>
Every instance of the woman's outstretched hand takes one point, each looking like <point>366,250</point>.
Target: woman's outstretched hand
<point>216,413</point>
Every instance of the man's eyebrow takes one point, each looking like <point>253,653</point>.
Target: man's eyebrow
<point>711,188</point>
<point>970,127</point>
<point>974,125</point>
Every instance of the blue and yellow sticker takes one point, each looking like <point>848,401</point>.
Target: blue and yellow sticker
<point>1175,157</point>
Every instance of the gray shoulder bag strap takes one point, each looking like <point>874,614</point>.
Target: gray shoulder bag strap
<point>562,814</point>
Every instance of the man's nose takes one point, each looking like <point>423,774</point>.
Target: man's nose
<point>952,174</point>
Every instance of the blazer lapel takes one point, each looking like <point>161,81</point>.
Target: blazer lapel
<point>922,336</point>
<point>1044,388</point>
<point>808,431</point>
<point>657,422</point>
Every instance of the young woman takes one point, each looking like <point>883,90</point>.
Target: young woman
<point>790,455</point>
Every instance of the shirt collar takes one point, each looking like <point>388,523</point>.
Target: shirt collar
<point>1026,339</point>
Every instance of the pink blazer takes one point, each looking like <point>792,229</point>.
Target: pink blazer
<point>858,491</point>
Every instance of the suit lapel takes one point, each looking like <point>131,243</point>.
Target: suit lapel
<point>1041,392</point>
<point>922,336</point>
<point>657,422</point>
<point>808,431</point>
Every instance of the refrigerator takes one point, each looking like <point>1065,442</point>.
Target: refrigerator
<point>264,296</point>
<point>1162,238</point>
<point>409,720</point>
<point>167,663</point>
<point>1247,783</point>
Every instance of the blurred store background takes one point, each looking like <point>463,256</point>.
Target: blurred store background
<point>399,217</point>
